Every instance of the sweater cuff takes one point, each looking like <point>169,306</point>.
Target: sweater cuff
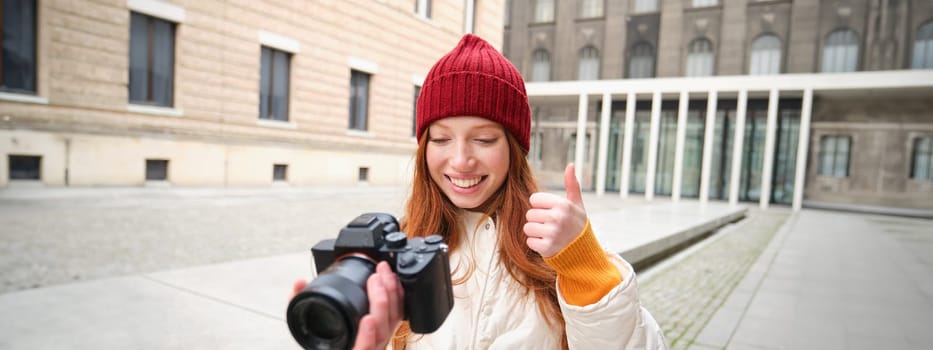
<point>584,273</point>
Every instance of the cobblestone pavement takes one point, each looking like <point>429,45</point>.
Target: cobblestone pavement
<point>60,235</point>
<point>684,292</point>
<point>52,236</point>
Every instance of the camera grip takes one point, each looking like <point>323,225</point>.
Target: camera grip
<point>428,290</point>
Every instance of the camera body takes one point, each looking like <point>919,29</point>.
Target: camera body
<point>327,312</point>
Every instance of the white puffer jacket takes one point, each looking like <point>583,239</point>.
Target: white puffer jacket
<point>491,310</point>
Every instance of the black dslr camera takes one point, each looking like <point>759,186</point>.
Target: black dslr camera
<point>326,314</point>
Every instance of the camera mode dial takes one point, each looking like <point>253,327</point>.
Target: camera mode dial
<point>396,240</point>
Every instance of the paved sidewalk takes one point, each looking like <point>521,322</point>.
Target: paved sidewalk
<point>684,291</point>
<point>832,280</point>
<point>115,239</point>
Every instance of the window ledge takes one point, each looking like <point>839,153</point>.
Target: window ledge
<point>157,183</point>
<point>154,110</point>
<point>590,19</point>
<point>15,97</point>
<point>703,8</point>
<point>646,13</point>
<point>276,124</point>
<point>359,133</point>
<point>541,24</point>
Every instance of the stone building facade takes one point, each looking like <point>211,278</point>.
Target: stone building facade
<point>214,93</point>
<point>866,148</point>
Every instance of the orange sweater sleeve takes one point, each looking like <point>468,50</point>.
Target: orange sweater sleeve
<point>584,272</point>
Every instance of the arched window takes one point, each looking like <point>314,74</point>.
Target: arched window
<point>589,64</point>
<point>700,58</point>
<point>540,65</point>
<point>544,11</point>
<point>840,53</point>
<point>923,47</point>
<point>591,8</point>
<point>641,63</point>
<point>766,55</point>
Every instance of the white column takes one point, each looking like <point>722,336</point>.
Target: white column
<point>653,145</point>
<point>627,143</point>
<point>581,139</point>
<point>603,145</point>
<point>679,151</point>
<point>708,146</point>
<point>737,144</point>
<point>768,165</point>
<point>803,143</point>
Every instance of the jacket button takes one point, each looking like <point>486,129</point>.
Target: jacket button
<point>487,225</point>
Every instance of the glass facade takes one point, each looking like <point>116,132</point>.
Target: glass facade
<point>750,175</point>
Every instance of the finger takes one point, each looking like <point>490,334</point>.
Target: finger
<point>391,285</point>
<point>539,215</point>
<point>366,336</point>
<point>544,200</point>
<point>572,185</point>
<point>539,245</point>
<point>378,305</point>
<point>297,287</point>
<point>537,230</point>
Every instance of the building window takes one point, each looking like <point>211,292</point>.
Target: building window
<point>834,155</point>
<point>469,14</point>
<point>540,65</point>
<point>414,112</point>
<point>537,139</point>
<point>766,55</point>
<point>641,64</point>
<point>152,60</point>
<point>700,58</point>
<point>589,64</point>
<point>25,167</point>
<point>423,8</point>
<point>591,8</point>
<point>18,39</point>
<point>923,47</point>
<point>921,165</point>
<point>544,11</point>
<point>363,175</point>
<point>279,172</point>
<point>359,100</point>
<point>840,54</point>
<point>273,84</point>
<point>156,169</point>
<point>705,3</point>
<point>646,6</point>
<point>573,148</point>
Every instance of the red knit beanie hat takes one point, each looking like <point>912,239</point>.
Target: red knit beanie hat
<point>476,80</point>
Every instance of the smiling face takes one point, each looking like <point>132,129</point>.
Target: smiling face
<point>468,158</point>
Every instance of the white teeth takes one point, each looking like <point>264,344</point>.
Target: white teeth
<point>465,183</point>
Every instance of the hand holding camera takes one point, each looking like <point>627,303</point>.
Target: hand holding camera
<point>356,269</point>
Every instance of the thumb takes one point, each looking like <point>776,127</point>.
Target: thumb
<point>572,185</point>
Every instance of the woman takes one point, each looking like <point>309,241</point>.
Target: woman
<point>527,269</point>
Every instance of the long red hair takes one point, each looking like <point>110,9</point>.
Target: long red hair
<point>428,211</point>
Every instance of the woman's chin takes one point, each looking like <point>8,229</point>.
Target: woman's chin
<point>466,201</point>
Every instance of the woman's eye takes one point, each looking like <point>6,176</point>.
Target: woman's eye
<point>487,141</point>
<point>439,140</point>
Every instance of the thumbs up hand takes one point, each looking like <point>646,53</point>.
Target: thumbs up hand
<point>555,221</point>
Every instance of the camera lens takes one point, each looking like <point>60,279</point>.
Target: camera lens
<point>326,314</point>
<point>321,319</point>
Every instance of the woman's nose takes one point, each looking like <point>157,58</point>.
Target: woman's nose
<point>462,159</point>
